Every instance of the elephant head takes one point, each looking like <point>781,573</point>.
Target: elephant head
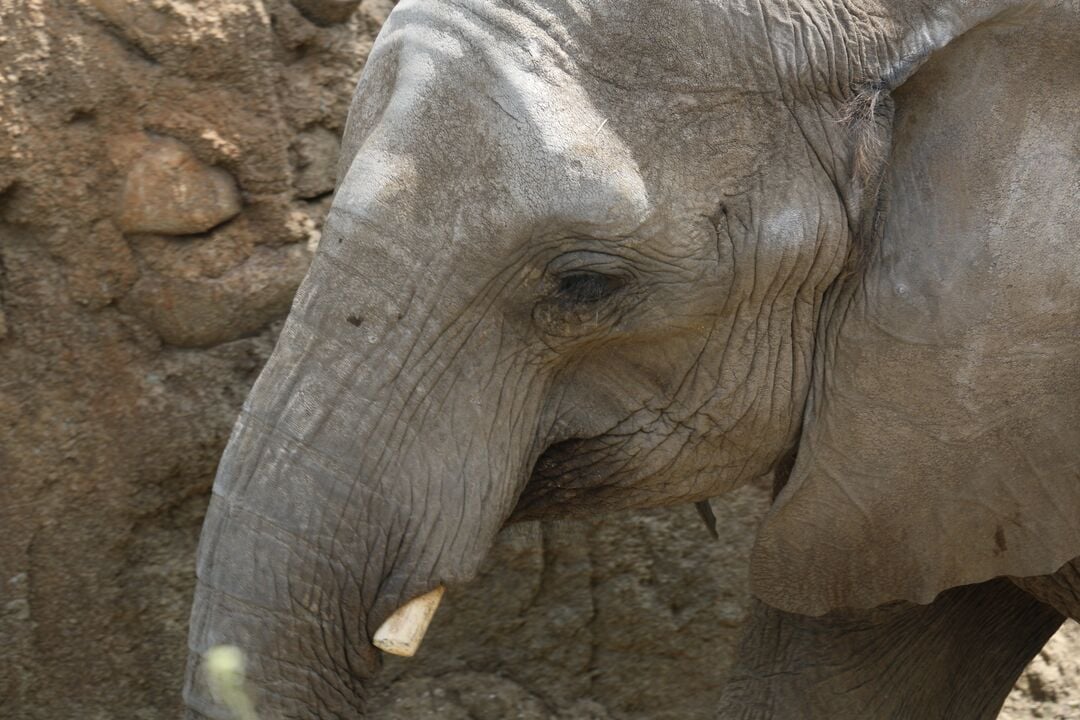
<point>587,255</point>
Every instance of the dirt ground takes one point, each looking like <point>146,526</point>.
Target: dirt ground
<point>133,319</point>
<point>1050,687</point>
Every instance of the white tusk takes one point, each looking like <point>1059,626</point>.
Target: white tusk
<point>403,631</point>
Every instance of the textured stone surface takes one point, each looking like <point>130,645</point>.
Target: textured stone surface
<point>169,191</point>
<point>327,12</point>
<point>125,357</point>
<point>1050,686</point>
<point>110,426</point>
<point>316,162</point>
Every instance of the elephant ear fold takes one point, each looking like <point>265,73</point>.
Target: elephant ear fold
<point>941,442</point>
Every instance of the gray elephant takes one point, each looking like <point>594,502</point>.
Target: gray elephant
<point>598,254</point>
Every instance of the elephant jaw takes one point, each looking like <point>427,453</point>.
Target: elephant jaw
<point>402,632</point>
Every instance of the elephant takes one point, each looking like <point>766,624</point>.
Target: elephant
<point>589,255</point>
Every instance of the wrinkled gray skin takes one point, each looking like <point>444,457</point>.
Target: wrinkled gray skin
<point>596,254</point>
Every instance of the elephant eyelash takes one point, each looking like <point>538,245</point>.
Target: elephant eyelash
<point>581,302</point>
<point>587,288</point>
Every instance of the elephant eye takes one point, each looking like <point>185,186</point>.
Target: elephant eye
<point>586,288</point>
<point>582,293</point>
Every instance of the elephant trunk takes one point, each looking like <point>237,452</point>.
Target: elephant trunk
<point>261,589</point>
<point>286,576</point>
<point>375,460</point>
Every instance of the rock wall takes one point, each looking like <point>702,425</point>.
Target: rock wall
<point>164,168</point>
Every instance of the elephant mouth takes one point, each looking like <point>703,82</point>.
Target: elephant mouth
<point>566,478</point>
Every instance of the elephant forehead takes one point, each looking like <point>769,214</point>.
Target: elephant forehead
<point>528,152</point>
<point>502,137</point>
<point>635,47</point>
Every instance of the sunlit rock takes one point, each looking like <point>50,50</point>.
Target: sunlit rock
<point>171,192</point>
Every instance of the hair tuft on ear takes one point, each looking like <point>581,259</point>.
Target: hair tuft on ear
<point>860,117</point>
<point>868,119</point>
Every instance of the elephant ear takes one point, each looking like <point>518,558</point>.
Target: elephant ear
<point>941,441</point>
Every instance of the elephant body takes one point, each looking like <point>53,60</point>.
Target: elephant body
<point>588,254</point>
